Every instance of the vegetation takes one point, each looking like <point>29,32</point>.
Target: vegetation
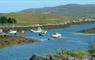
<point>66,10</point>
<point>92,30</point>
<point>91,46</point>
<point>68,53</point>
<point>30,19</point>
<point>8,41</point>
<point>54,15</point>
<point>5,20</point>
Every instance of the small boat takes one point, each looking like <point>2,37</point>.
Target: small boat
<point>56,35</point>
<point>12,32</point>
<point>39,30</point>
<point>22,31</point>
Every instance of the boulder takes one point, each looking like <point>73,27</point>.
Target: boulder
<point>35,57</point>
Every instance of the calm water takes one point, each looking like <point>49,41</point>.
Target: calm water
<point>71,40</point>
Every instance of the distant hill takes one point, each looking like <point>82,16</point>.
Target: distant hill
<point>67,10</point>
<point>52,14</point>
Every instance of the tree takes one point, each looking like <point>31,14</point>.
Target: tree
<point>11,21</point>
<point>3,20</point>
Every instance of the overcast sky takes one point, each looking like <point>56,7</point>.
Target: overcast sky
<point>17,5</point>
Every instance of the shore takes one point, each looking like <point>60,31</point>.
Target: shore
<point>11,40</point>
<point>46,26</point>
<point>89,31</point>
<point>65,55</point>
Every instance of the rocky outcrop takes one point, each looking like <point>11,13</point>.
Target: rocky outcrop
<point>35,57</point>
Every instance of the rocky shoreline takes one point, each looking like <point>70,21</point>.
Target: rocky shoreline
<point>36,57</point>
<point>47,26</point>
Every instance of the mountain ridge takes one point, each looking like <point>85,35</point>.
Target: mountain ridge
<point>67,10</point>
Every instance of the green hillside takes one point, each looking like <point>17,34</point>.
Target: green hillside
<point>56,14</point>
<point>28,18</point>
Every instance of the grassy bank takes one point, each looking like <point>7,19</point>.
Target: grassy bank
<point>9,41</point>
<point>65,53</point>
<point>92,30</point>
<point>30,19</point>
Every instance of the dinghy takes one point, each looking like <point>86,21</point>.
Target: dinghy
<point>37,31</point>
<point>12,32</point>
<point>56,35</point>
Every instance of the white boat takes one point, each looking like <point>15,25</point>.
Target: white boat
<point>12,32</point>
<point>56,35</point>
<point>39,30</point>
<point>22,31</point>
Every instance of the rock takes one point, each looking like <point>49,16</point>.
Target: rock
<point>71,58</point>
<point>91,58</point>
<point>54,58</point>
<point>35,57</point>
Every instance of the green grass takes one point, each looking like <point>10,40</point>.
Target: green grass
<point>10,41</point>
<point>29,18</point>
<point>92,30</point>
<point>65,53</point>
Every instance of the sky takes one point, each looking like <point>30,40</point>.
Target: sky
<point>18,5</point>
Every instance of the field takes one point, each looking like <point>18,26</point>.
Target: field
<point>29,19</point>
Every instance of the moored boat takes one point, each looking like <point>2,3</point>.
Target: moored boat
<point>39,30</point>
<point>12,32</point>
<point>56,35</point>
